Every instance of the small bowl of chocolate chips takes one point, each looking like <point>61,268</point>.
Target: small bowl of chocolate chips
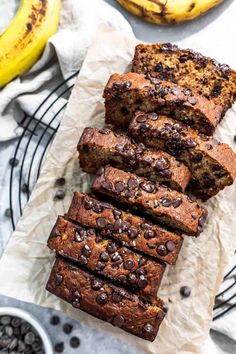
<point>20,332</point>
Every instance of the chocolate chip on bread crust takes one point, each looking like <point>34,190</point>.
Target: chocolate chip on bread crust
<point>104,300</point>
<point>99,147</point>
<point>131,230</point>
<point>212,164</point>
<point>189,69</point>
<point>89,248</point>
<point>126,93</point>
<point>170,207</point>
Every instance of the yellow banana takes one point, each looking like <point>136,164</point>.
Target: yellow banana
<point>164,12</point>
<point>22,43</point>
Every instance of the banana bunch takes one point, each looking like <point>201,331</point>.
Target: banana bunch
<point>22,43</point>
<point>164,12</point>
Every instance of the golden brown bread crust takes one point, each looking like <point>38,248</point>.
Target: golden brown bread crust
<point>89,248</point>
<point>99,147</point>
<point>189,69</point>
<point>126,93</point>
<point>103,300</point>
<point>161,203</point>
<point>212,164</point>
<point>134,231</point>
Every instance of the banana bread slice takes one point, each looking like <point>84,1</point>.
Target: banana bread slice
<point>172,208</point>
<point>104,300</point>
<point>99,147</point>
<point>127,93</point>
<point>192,70</point>
<point>130,230</point>
<point>99,254</point>
<point>212,164</point>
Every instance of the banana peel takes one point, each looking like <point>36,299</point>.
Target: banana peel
<point>22,43</point>
<point>163,12</point>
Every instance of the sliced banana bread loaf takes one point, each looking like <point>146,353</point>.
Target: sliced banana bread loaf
<point>161,203</point>
<point>89,248</point>
<point>131,230</point>
<point>126,93</point>
<point>99,147</point>
<point>212,164</point>
<point>192,70</point>
<point>104,300</point>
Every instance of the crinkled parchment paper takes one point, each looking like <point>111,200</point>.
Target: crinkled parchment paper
<point>26,263</point>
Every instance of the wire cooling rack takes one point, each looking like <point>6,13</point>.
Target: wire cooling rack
<point>30,152</point>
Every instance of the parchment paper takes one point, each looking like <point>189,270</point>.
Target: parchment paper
<point>26,263</point>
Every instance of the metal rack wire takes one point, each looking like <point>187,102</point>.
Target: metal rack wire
<point>38,131</point>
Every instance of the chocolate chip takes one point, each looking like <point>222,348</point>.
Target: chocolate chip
<point>60,194</point>
<point>158,67</point>
<point>170,246</point>
<point>29,338</point>
<point>177,202</point>
<point>55,320</point>
<point>192,100</point>
<point>183,58</point>
<point>15,322</point>
<point>153,116</point>
<point>132,183</point>
<point>147,187</point>
<point>25,188</point>
<point>144,127</point>
<point>60,181</point>
<point>142,282</point>
<point>155,203</point>
<point>148,328</point>
<point>58,278</point>
<point>111,247</point>
<point>142,261</point>
<point>162,164</point>
<point>97,208</point>
<point>141,119</point>
<point>104,131</point>
<point>209,146</point>
<point>88,204</point>
<point>13,161</point>
<point>100,265</point>
<point>102,299</point>
<point>129,264</point>
<point>101,222</point>
<point>116,257</point>
<point>132,232</point>
<point>100,171</point>
<point>118,321</point>
<point>96,284</point>
<point>149,234</point>
<point>124,111</point>
<point>59,347</point>
<point>74,342</point>
<point>187,92</point>
<point>122,278</point>
<point>119,186</point>
<point>80,235</point>
<point>86,251</point>
<point>166,202</point>
<point>118,226</point>
<point>130,194</point>
<point>83,259</point>
<point>202,220</point>
<point>8,212</point>
<point>161,250</point>
<point>117,213</point>
<point>185,291</point>
<point>67,328</point>
<point>104,256</point>
<point>132,278</point>
<point>165,307</point>
<point>175,91</point>
<point>107,185</point>
<point>116,297</point>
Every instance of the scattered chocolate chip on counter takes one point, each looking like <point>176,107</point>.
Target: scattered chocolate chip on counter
<point>59,347</point>
<point>60,194</point>
<point>185,291</point>
<point>13,161</point>
<point>67,328</point>
<point>25,188</point>
<point>8,212</point>
<point>75,342</point>
<point>60,181</point>
<point>55,320</point>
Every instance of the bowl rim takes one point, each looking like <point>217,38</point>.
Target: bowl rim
<point>28,317</point>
